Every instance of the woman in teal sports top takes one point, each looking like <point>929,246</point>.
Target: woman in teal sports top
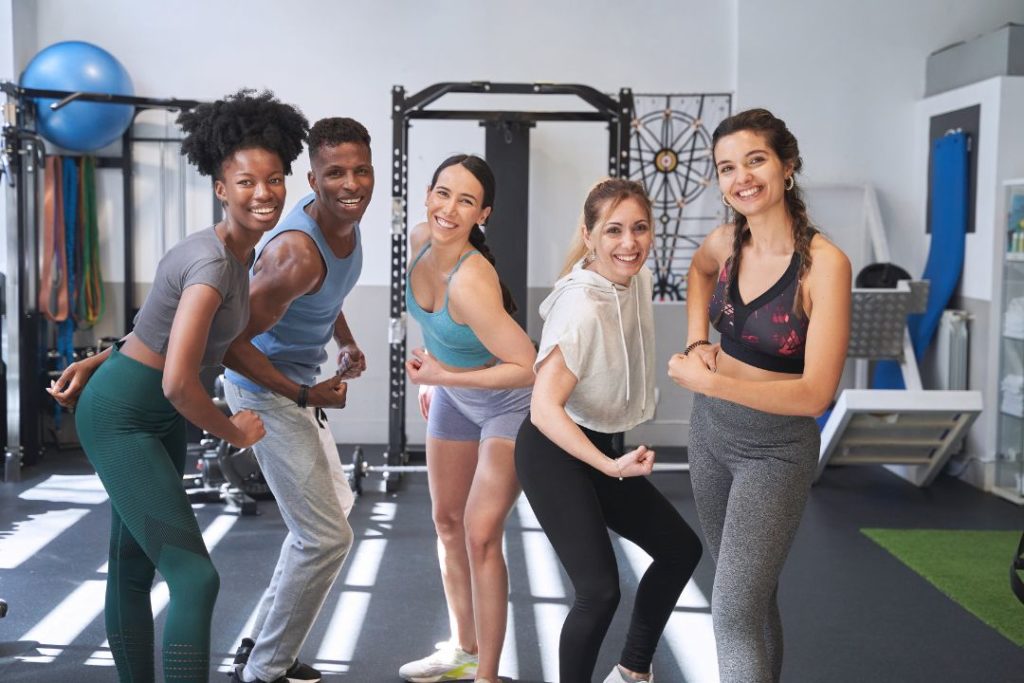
<point>475,377</point>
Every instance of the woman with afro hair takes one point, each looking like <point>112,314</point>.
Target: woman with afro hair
<point>136,397</point>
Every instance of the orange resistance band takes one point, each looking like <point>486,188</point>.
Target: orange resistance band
<point>53,269</point>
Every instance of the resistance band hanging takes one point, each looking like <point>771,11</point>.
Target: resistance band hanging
<point>66,328</point>
<point>90,302</point>
<point>53,289</point>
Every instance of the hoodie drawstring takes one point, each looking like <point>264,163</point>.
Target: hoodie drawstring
<point>643,350</point>
<point>622,337</point>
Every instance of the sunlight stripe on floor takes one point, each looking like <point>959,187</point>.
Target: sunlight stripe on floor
<point>542,568</point>
<point>101,657</point>
<point>692,597</point>
<point>527,518</point>
<point>508,665</point>
<point>66,621</point>
<point>160,595</point>
<point>338,646</point>
<point>81,489</point>
<point>691,639</point>
<point>689,635</point>
<point>365,562</point>
<point>362,571</point>
<point>383,511</point>
<point>28,537</point>
<point>548,617</point>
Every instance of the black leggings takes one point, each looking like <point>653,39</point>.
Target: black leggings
<point>576,505</point>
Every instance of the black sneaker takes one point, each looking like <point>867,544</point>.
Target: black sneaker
<point>242,653</point>
<point>302,673</point>
<point>296,673</point>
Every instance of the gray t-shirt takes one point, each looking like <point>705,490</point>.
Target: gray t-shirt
<point>199,259</point>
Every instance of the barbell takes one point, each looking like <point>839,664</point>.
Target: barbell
<point>359,469</point>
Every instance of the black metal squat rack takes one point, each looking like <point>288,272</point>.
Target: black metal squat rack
<point>507,151</point>
<point>21,153</point>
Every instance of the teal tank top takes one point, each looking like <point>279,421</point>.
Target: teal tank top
<point>450,342</point>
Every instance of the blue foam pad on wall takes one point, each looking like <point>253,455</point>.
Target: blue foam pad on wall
<point>949,207</point>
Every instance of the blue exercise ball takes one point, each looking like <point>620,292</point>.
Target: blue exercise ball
<point>77,66</point>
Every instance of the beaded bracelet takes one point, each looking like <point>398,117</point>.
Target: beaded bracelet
<point>699,342</point>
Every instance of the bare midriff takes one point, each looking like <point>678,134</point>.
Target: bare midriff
<point>136,350</point>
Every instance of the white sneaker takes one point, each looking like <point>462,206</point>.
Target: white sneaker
<point>616,676</point>
<point>449,663</point>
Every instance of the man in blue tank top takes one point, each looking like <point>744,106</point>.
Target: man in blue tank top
<point>303,271</point>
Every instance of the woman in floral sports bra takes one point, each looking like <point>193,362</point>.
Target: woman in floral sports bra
<point>475,377</point>
<point>779,294</point>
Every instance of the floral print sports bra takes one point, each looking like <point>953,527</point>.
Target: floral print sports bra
<point>765,332</point>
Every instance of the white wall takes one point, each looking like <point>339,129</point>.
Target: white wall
<point>846,77</point>
<point>343,58</point>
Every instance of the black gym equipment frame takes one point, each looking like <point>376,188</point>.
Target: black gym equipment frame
<point>21,153</point>
<point>507,151</point>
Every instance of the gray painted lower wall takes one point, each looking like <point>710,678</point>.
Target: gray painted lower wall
<point>365,419</point>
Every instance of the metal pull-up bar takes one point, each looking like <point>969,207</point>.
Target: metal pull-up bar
<point>508,144</point>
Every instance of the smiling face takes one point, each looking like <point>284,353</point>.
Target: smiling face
<point>251,188</point>
<point>342,179</point>
<point>454,205</point>
<point>750,174</point>
<point>620,241</point>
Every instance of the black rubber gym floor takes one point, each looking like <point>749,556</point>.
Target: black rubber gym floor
<point>852,612</point>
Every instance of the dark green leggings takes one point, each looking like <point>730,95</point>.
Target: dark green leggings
<point>135,439</point>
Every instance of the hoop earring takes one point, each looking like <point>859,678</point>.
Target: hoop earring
<point>790,182</point>
<point>726,202</point>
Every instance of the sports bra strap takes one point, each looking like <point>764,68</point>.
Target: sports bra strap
<point>458,263</point>
<point>419,255</point>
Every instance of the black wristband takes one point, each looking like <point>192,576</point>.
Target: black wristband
<point>699,342</point>
<point>303,395</point>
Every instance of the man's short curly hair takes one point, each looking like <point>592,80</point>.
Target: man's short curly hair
<point>214,131</point>
<point>335,131</point>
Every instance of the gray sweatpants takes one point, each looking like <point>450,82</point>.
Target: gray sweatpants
<point>300,462</point>
<point>751,473</point>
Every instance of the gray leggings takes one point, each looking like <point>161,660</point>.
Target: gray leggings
<point>751,473</point>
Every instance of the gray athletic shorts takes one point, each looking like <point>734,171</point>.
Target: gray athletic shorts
<point>465,414</point>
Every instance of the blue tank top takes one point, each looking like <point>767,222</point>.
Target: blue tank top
<point>450,342</point>
<point>296,344</point>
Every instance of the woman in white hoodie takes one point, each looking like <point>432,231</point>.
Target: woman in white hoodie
<point>595,379</point>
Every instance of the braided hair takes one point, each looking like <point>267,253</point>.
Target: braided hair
<point>483,173</point>
<point>247,119</point>
<point>783,143</point>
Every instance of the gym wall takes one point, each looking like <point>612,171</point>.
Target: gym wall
<point>845,77</point>
<point>343,58</point>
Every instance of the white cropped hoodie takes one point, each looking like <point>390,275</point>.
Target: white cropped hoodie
<point>605,332</point>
